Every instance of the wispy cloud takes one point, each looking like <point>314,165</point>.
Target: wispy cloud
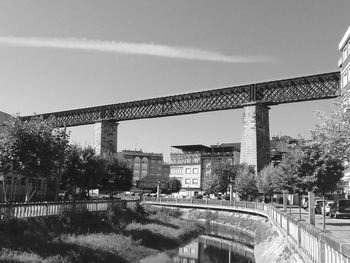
<point>129,48</point>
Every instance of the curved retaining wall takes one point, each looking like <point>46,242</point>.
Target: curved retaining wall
<point>311,243</point>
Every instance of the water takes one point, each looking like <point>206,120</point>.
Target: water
<point>219,244</point>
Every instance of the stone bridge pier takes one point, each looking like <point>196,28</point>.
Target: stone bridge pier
<point>255,142</point>
<point>106,136</point>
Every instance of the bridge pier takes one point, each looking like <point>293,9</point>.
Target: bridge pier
<point>255,143</point>
<point>3,118</point>
<point>106,136</point>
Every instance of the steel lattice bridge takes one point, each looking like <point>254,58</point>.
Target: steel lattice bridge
<point>314,87</point>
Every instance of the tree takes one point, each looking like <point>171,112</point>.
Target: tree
<point>290,166</point>
<point>117,174</point>
<point>34,149</point>
<point>72,168</point>
<point>173,185</point>
<point>245,182</point>
<point>222,175</point>
<point>311,167</point>
<point>270,180</point>
<point>333,132</point>
<point>93,169</point>
<point>319,171</point>
<point>86,170</point>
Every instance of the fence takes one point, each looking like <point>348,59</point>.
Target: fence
<point>25,210</point>
<point>311,243</point>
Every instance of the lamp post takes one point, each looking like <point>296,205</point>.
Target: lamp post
<point>231,193</point>
<point>158,190</point>
<point>188,191</point>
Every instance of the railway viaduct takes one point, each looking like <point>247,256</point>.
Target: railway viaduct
<point>255,99</point>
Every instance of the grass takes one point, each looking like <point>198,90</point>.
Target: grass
<point>114,236</point>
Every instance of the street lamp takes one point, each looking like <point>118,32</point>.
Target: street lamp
<point>158,189</point>
<point>188,191</point>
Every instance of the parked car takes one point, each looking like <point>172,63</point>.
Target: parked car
<point>340,208</point>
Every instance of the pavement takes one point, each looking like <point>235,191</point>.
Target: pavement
<point>338,227</point>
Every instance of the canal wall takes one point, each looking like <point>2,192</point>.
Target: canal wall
<point>269,244</point>
<point>307,241</point>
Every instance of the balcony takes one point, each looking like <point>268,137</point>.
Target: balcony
<point>340,62</point>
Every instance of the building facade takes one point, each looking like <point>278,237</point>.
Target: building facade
<point>192,163</point>
<point>148,168</point>
<point>344,66</point>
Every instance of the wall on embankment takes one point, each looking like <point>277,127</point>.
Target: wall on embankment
<point>269,245</point>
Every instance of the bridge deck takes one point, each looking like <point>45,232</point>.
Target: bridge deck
<point>315,87</point>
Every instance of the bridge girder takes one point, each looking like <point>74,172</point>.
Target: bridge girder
<point>314,87</point>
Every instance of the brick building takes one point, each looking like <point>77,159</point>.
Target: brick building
<point>147,168</point>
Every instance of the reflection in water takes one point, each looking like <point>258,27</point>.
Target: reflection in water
<point>206,249</point>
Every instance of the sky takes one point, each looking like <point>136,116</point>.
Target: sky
<point>60,55</point>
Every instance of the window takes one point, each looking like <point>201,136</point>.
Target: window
<point>194,181</point>
<point>345,78</point>
<point>345,52</point>
<point>187,181</point>
<point>195,170</point>
<point>176,170</point>
<point>188,170</point>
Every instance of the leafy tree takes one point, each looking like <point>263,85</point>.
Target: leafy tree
<point>270,180</point>
<point>34,149</point>
<point>319,171</point>
<point>290,166</point>
<point>72,169</point>
<point>86,170</point>
<point>173,185</point>
<point>333,132</point>
<point>311,167</point>
<point>93,169</point>
<point>245,182</point>
<point>117,174</point>
<point>222,175</point>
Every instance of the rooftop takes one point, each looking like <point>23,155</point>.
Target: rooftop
<point>192,148</point>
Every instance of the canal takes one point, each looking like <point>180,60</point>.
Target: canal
<point>218,244</point>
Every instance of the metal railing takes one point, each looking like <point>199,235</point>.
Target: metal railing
<point>311,243</point>
<point>39,209</point>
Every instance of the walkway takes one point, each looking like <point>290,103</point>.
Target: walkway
<point>338,227</point>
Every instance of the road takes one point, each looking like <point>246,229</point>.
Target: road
<point>338,227</point>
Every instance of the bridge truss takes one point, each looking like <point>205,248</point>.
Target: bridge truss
<point>315,87</point>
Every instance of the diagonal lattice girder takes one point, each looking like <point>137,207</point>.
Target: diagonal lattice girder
<point>315,87</point>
